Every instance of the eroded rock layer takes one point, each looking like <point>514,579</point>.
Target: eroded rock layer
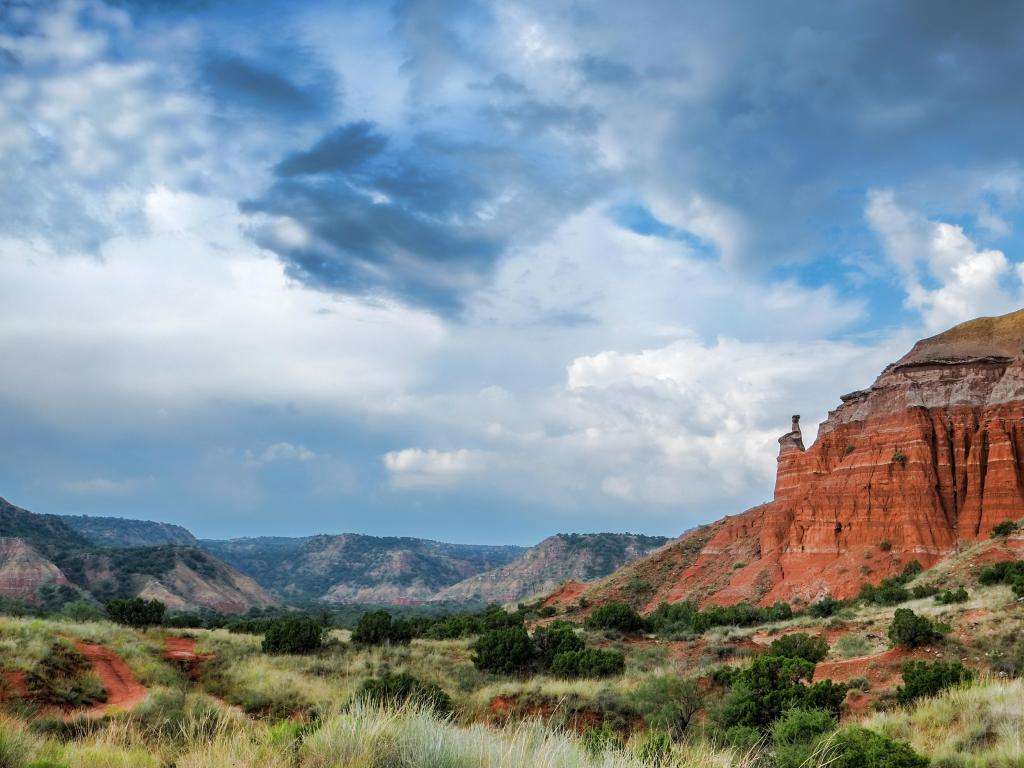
<point>927,459</point>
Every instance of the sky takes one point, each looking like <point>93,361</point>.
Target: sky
<point>479,271</point>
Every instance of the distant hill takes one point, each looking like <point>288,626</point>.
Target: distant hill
<point>353,568</point>
<point>121,532</point>
<point>44,560</point>
<point>559,558</point>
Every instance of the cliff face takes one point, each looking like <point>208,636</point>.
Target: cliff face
<point>930,457</point>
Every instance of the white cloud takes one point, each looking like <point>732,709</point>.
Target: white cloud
<point>967,281</point>
<point>185,317</point>
<point>103,486</point>
<point>279,452</point>
<point>416,467</point>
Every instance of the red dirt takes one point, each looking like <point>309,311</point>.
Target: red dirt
<point>878,668</point>
<point>122,687</point>
<point>567,594</point>
<point>16,687</point>
<point>182,651</point>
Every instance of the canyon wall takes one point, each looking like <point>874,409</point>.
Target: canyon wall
<point>925,461</point>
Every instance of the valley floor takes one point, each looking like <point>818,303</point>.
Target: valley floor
<point>195,698</point>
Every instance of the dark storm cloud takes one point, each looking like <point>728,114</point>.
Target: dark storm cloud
<point>799,108</point>
<point>344,148</point>
<point>371,248</point>
<point>248,84</point>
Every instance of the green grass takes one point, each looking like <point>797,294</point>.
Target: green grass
<point>978,726</point>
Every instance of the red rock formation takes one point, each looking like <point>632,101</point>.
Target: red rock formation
<point>929,457</point>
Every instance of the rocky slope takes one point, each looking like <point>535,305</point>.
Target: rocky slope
<point>352,568</point>
<point>925,461</point>
<point>45,561</point>
<point>559,558</point>
<point>121,532</point>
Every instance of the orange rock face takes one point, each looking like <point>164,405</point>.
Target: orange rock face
<point>930,457</point>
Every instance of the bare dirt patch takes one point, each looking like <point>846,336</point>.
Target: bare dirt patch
<point>182,651</point>
<point>123,689</point>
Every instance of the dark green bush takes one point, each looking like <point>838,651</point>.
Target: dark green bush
<point>557,638</point>
<point>911,631</point>
<point>618,616</point>
<point>685,618</point>
<point>588,662</point>
<point>827,606</point>
<point>378,628</point>
<point>136,612</point>
<point>1004,529</point>
<point>546,612</point>
<point>770,686</point>
<point>892,591</point>
<point>799,725</point>
<point>1010,572</point>
<point>796,735</point>
<point>293,634</point>
<point>921,678</point>
<point>924,590</point>
<point>812,648</point>
<point>856,747</point>
<point>950,596</point>
<point>398,688</point>
<point>505,651</point>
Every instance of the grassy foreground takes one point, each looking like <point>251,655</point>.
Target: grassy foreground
<point>198,735</point>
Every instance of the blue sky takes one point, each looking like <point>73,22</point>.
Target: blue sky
<point>478,271</point>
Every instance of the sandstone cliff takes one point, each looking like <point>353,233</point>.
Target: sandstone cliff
<point>927,459</point>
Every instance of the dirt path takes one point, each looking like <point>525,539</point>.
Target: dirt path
<point>122,687</point>
<point>182,651</point>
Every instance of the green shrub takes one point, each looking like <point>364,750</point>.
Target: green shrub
<point>293,634</point>
<point>397,689</point>
<point>1004,529</point>
<point>557,638</point>
<point>505,651</point>
<point>950,596</point>
<point>800,645</point>
<point>856,747</point>
<point>589,662</point>
<point>911,631</point>
<point>825,607</point>
<point>741,737</point>
<point>546,612</point>
<point>770,686</point>
<point>924,590</point>
<point>1009,572</point>
<point>685,618</point>
<point>668,702</point>
<point>799,725</point>
<point>921,678</point>
<point>618,616</point>
<point>378,628</point>
<point>136,612</point>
